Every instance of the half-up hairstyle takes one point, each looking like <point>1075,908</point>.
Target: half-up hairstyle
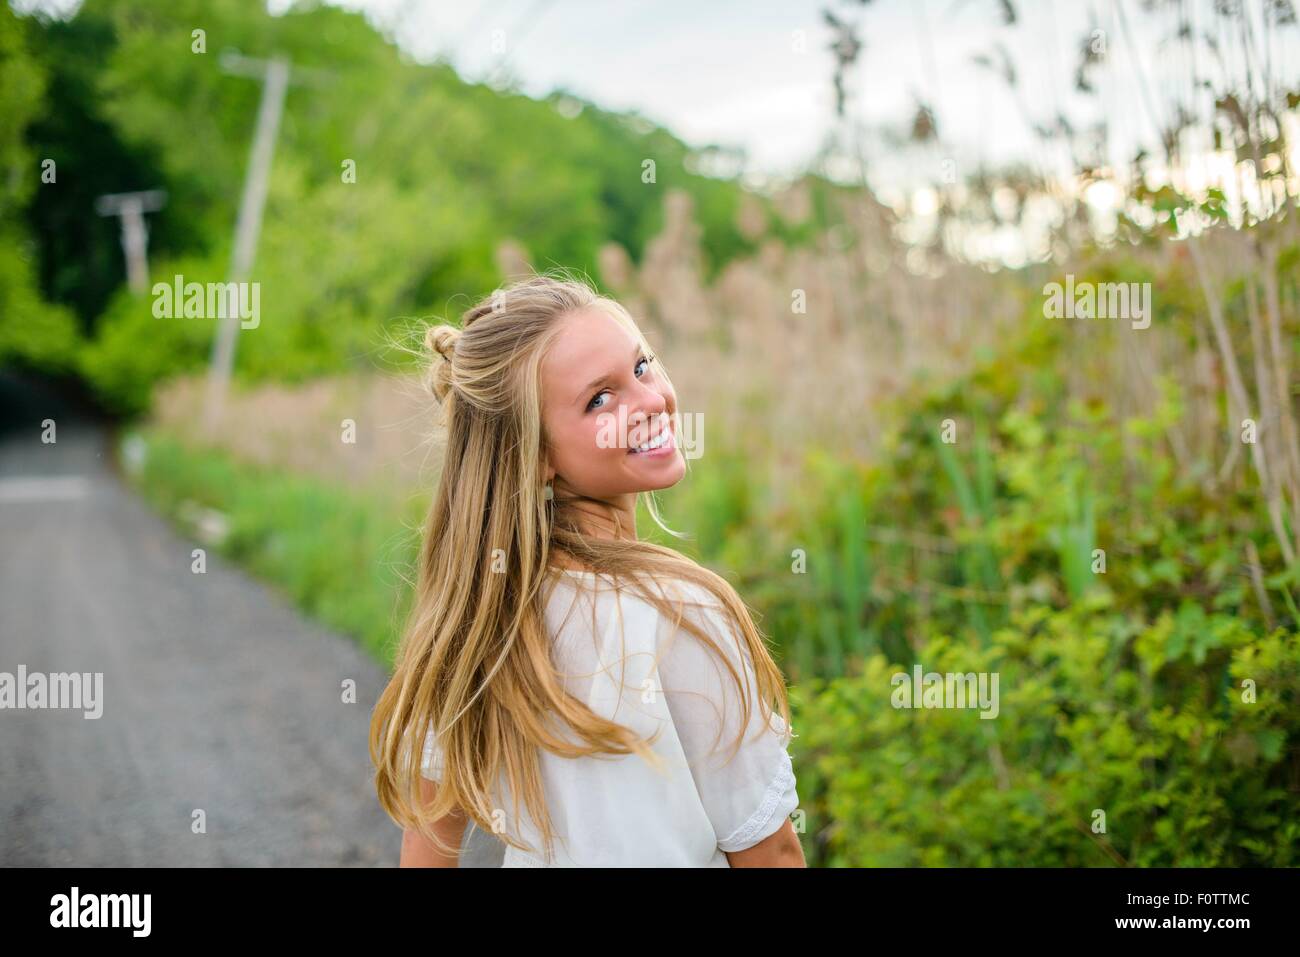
<point>474,664</point>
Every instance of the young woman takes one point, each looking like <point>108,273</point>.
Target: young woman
<point>617,690</point>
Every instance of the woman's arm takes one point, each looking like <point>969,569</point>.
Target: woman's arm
<point>781,849</point>
<point>418,851</point>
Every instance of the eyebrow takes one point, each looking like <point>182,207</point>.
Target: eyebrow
<point>600,380</point>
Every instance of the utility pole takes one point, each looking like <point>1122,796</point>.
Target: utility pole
<point>130,209</point>
<point>274,74</point>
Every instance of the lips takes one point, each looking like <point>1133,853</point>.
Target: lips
<point>662,440</point>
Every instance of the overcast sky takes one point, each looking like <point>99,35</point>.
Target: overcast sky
<point>732,72</point>
<point>728,72</point>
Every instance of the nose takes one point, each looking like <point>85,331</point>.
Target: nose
<point>653,404</point>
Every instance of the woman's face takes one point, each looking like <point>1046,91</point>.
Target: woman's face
<point>601,400</point>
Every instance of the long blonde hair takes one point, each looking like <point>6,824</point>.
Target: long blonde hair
<point>474,662</point>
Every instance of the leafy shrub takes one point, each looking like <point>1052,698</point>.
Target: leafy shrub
<point>1125,679</point>
<point>1098,711</point>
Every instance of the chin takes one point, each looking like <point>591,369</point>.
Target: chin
<point>670,478</point>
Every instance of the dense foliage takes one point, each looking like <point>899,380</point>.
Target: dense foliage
<point>444,170</point>
<point>1158,691</point>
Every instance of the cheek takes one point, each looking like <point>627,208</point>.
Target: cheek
<point>582,446</point>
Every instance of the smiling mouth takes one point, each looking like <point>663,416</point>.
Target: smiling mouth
<point>664,438</point>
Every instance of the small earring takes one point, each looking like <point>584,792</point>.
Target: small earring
<point>548,493</point>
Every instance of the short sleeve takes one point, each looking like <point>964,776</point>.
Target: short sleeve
<point>431,762</point>
<point>747,796</point>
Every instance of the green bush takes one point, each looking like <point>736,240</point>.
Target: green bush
<point>1125,679</point>
<point>135,349</point>
<point>1098,711</point>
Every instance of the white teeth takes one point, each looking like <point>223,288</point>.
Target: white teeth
<point>654,443</point>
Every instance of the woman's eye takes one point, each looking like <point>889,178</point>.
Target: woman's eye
<point>592,404</point>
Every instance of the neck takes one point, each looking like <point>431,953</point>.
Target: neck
<point>613,519</point>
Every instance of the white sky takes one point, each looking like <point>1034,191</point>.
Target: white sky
<point>727,72</point>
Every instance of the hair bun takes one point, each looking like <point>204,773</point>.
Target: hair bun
<point>442,340</point>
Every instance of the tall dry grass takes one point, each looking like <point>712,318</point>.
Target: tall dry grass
<point>761,374</point>
<point>774,382</point>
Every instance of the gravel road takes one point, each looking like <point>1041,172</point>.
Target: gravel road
<point>217,695</point>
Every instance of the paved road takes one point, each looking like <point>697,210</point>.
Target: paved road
<point>217,695</point>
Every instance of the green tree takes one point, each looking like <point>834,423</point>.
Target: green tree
<point>32,332</point>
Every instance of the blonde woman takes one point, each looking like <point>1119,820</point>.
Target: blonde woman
<point>592,699</point>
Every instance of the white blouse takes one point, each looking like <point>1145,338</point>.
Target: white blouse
<point>618,810</point>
